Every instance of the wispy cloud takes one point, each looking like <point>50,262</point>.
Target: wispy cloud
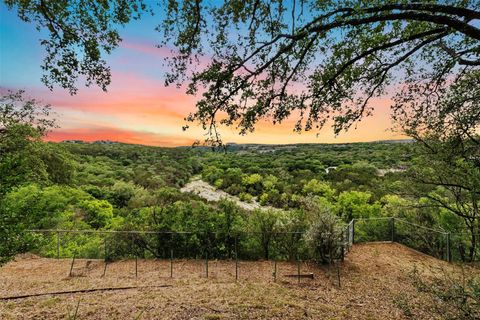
<point>115,134</point>
<point>138,108</point>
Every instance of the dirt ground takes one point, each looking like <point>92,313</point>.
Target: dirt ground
<point>374,284</point>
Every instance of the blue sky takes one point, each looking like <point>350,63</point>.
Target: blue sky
<point>137,107</point>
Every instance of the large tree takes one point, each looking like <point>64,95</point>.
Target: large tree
<point>23,122</point>
<point>24,159</point>
<point>449,178</point>
<point>445,120</point>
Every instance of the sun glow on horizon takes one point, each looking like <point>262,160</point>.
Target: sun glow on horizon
<point>138,108</point>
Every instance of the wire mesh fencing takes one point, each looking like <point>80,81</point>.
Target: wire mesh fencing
<point>176,254</point>
<point>464,246</point>
<point>276,246</point>
<point>460,246</point>
<point>117,245</point>
<point>427,240</point>
<point>372,229</point>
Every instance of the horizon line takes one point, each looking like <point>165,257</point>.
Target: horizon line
<point>109,142</point>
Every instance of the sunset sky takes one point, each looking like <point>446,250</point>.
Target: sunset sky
<point>138,108</point>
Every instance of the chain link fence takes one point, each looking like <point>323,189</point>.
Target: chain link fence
<point>372,229</point>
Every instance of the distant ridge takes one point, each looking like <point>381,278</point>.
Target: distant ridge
<point>395,141</point>
<point>92,142</point>
<point>235,145</point>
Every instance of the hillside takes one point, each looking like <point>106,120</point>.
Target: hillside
<point>375,284</point>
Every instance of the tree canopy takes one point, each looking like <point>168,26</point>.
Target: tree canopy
<point>315,61</point>
<point>24,159</point>
<point>79,34</point>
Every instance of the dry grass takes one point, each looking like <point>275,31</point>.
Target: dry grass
<point>374,285</point>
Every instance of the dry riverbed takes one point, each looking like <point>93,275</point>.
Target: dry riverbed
<point>209,193</point>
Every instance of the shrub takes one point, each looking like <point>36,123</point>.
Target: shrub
<point>218,183</point>
<point>98,213</point>
<point>264,199</point>
<point>323,237</point>
<point>263,224</point>
<point>320,188</point>
<point>234,189</point>
<point>247,197</point>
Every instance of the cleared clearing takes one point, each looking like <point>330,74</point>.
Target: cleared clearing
<point>374,285</point>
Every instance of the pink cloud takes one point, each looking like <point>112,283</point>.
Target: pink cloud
<point>159,52</point>
<point>115,134</point>
<point>147,48</point>
<point>129,94</point>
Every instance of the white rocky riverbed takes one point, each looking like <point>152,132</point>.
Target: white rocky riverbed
<point>206,191</point>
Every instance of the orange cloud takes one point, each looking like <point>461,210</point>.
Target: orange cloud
<point>114,134</point>
<point>138,109</point>
<point>129,93</point>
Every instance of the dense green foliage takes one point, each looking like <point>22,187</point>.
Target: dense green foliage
<point>132,187</point>
<point>267,59</point>
<point>281,176</point>
<point>24,159</point>
<point>303,195</point>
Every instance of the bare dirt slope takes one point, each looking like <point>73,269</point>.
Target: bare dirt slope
<point>374,285</point>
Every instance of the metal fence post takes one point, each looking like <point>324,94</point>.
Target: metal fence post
<point>71,266</point>
<point>207,241</point>
<point>348,237</point>
<point>136,266</point>
<point>236,259</point>
<point>353,231</point>
<point>338,276</point>
<point>275,270</point>
<point>132,248</point>
<point>104,269</point>
<point>171,263</point>
<point>449,254</point>
<point>105,254</point>
<point>393,228</point>
<point>171,254</point>
<point>206,262</point>
<point>298,268</point>
<point>58,245</point>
